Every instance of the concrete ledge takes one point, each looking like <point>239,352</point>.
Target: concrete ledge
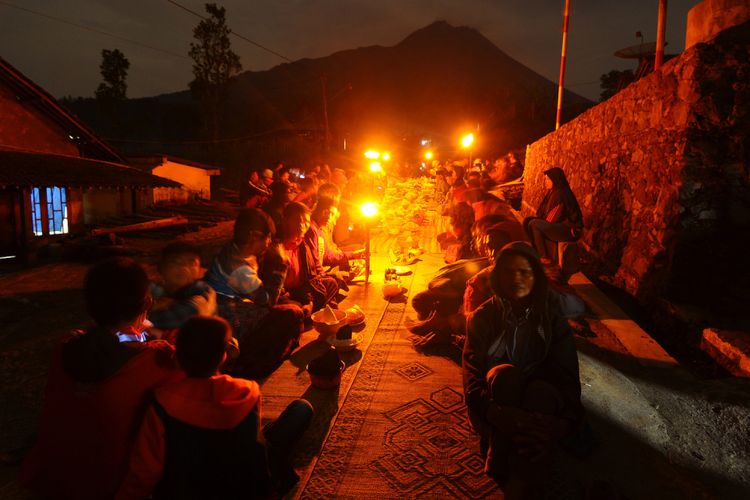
<point>638,343</point>
<point>731,349</point>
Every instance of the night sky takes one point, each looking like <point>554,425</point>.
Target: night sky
<point>65,59</point>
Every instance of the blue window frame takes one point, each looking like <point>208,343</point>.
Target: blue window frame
<point>56,216</point>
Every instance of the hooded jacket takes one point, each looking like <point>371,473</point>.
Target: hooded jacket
<point>559,205</point>
<point>487,325</point>
<point>97,394</point>
<point>201,438</point>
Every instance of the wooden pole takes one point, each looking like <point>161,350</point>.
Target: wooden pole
<point>561,81</point>
<point>661,29</point>
<point>367,251</point>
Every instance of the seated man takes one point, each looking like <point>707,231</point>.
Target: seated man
<point>181,294</point>
<point>201,437</point>
<point>325,254</point>
<point>98,389</point>
<point>248,295</point>
<point>520,372</point>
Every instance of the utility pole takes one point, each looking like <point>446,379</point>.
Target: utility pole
<point>661,29</point>
<point>325,112</point>
<point>561,82</point>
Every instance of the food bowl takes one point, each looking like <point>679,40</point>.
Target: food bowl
<point>355,315</point>
<point>327,325</point>
<point>325,380</point>
<point>344,345</point>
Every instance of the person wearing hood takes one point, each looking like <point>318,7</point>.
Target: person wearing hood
<point>520,372</point>
<point>98,388</point>
<point>202,436</point>
<point>558,217</point>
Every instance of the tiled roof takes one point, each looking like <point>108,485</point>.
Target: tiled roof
<point>150,161</point>
<point>24,168</point>
<point>33,95</point>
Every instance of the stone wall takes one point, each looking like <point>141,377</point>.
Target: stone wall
<point>661,171</point>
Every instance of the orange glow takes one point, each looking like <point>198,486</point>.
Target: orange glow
<point>369,209</point>
<point>386,156</point>
<point>428,155</point>
<point>467,140</point>
<point>372,155</point>
<point>376,167</point>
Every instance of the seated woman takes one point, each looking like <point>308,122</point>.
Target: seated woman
<point>304,284</point>
<point>325,252</point>
<point>558,217</point>
<point>520,372</point>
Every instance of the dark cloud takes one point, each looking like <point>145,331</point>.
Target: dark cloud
<point>65,60</point>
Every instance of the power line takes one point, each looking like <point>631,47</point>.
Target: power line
<point>241,37</point>
<point>93,30</point>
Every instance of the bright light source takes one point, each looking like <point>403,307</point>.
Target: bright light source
<point>386,156</point>
<point>372,155</point>
<point>424,142</point>
<point>369,209</point>
<point>428,155</point>
<point>376,167</point>
<point>467,140</point>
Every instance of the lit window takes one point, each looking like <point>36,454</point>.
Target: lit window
<point>57,210</point>
<point>36,212</point>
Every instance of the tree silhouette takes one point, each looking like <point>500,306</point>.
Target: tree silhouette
<point>114,70</point>
<point>214,63</point>
<point>613,82</point>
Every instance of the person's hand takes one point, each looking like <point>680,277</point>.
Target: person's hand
<point>307,309</point>
<point>356,254</point>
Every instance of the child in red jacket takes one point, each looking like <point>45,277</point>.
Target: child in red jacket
<point>202,438</point>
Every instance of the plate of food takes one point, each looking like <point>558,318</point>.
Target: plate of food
<point>345,339</point>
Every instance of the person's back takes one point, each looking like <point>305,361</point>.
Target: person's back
<point>97,390</point>
<point>202,436</point>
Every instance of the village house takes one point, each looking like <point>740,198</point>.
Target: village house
<point>195,177</point>
<point>56,175</point>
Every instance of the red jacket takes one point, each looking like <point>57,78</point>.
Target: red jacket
<point>97,394</point>
<point>218,402</point>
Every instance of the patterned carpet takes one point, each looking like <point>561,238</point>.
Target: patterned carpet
<point>401,430</point>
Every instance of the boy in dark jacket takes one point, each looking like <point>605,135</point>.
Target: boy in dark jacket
<point>202,436</point>
<point>98,389</point>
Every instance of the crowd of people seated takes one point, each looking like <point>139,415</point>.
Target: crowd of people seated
<point>158,396</point>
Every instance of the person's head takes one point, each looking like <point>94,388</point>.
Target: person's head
<point>284,174</point>
<point>280,192</point>
<point>307,185</point>
<point>268,177</point>
<point>554,178</point>
<point>488,237</point>
<point>324,208</point>
<point>330,190</point>
<point>117,294</point>
<point>254,177</point>
<point>455,175</point>
<point>253,231</point>
<point>294,223</point>
<point>179,265</point>
<point>441,174</point>
<point>474,180</point>
<point>201,345</point>
<point>518,275</point>
<point>461,219</point>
